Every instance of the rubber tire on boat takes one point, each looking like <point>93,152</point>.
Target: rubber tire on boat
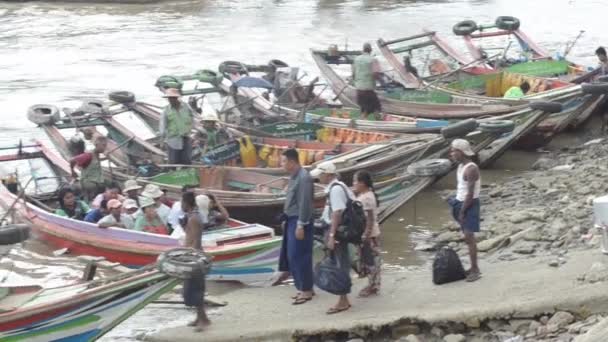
<point>93,106</point>
<point>430,167</point>
<point>497,126</point>
<point>122,97</point>
<point>232,67</point>
<point>547,106</point>
<point>277,63</point>
<point>209,76</point>
<point>182,263</point>
<point>507,23</point>
<point>603,79</point>
<point>595,88</point>
<point>14,233</point>
<point>42,114</point>
<point>459,129</point>
<point>464,28</point>
<point>168,81</point>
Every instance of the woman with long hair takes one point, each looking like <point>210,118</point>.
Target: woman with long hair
<point>369,250</point>
<point>70,206</point>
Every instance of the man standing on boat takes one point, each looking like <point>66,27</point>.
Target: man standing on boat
<point>91,176</point>
<point>194,288</point>
<point>465,206</point>
<point>366,70</point>
<point>296,251</point>
<point>175,127</point>
<point>603,59</point>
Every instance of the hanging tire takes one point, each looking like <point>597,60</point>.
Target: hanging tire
<point>209,76</point>
<point>507,23</point>
<point>183,263</point>
<point>92,106</point>
<point>277,63</point>
<point>168,81</point>
<point>464,28</point>
<point>14,233</point>
<point>122,97</point>
<point>233,67</point>
<point>459,129</point>
<point>497,126</point>
<point>595,88</point>
<point>430,167</point>
<point>547,106</point>
<point>42,114</point>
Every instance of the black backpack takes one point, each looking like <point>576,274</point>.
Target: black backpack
<point>353,219</point>
<point>447,267</point>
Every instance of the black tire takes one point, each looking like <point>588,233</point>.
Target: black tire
<point>547,106</point>
<point>459,129</point>
<point>233,67</point>
<point>464,28</point>
<point>168,81</point>
<point>122,97</point>
<point>183,263</point>
<point>497,126</point>
<point>430,167</point>
<point>507,23</point>
<point>93,106</point>
<point>14,233</point>
<point>595,88</point>
<point>603,79</point>
<point>277,63</point>
<point>42,114</point>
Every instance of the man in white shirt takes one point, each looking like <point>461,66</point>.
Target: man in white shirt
<point>116,218</point>
<point>336,201</point>
<point>177,214</point>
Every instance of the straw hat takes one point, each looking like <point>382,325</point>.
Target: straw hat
<point>145,202</point>
<point>210,117</point>
<point>172,92</point>
<point>152,191</point>
<point>131,184</point>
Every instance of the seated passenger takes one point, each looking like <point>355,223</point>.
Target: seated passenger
<point>112,191</point>
<point>97,214</point>
<point>131,208</point>
<point>71,207</point>
<point>131,190</point>
<point>516,92</point>
<point>116,218</point>
<point>153,191</point>
<point>213,213</point>
<point>148,220</point>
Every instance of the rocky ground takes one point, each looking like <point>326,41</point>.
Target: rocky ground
<point>547,211</point>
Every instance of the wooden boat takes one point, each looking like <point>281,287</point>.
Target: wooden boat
<point>78,312</point>
<point>242,252</point>
<point>408,102</point>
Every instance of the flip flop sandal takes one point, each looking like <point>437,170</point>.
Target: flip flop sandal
<point>473,277</point>
<point>298,296</point>
<point>367,293</point>
<point>332,311</point>
<point>301,300</point>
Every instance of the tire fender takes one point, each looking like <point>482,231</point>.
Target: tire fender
<point>464,28</point>
<point>430,167</point>
<point>595,88</point>
<point>183,263</point>
<point>497,126</point>
<point>122,97</point>
<point>14,233</point>
<point>42,114</point>
<point>459,129</point>
<point>507,23</point>
<point>547,106</point>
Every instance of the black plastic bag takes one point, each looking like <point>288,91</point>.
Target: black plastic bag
<point>447,267</point>
<point>330,277</point>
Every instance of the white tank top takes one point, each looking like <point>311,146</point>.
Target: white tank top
<point>463,185</point>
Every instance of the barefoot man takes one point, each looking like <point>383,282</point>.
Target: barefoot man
<point>465,207</point>
<point>194,288</point>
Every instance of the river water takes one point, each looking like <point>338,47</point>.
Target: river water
<point>61,52</point>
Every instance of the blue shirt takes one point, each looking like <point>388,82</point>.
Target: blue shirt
<point>94,216</point>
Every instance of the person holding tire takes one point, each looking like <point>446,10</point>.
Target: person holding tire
<point>366,71</point>
<point>175,127</point>
<point>465,205</point>
<point>91,175</point>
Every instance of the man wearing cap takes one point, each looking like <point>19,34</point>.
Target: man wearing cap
<point>154,192</point>
<point>131,190</point>
<point>116,218</point>
<point>91,176</point>
<point>175,127</point>
<point>465,205</point>
<point>296,250</point>
<point>366,70</point>
<point>131,208</point>
<point>213,134</point>
<point>337,195</point>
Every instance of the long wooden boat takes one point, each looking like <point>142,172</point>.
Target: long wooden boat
<point>78,312</point>
<point>242,252</point>
<point>483,83</point>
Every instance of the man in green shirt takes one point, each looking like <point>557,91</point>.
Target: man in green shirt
<point>516,92</point>
<point>175,127</point>
<point>366,70</point>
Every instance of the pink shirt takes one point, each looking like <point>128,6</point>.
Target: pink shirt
<point>368,200</point>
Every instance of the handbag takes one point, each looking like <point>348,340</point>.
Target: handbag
<point>329,277</point>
